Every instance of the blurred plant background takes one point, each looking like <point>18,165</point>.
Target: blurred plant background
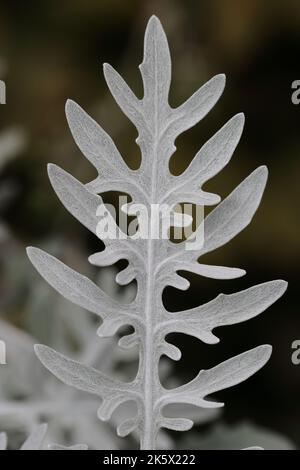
<point>51,51</point>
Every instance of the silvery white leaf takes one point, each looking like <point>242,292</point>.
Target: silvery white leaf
<point>154,262</point>
<point>223,310</point>
<point>224,375</point>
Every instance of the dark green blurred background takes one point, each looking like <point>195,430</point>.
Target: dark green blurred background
<point>54,50</point>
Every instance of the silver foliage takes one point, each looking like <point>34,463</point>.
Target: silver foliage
<point>71,415</point>
<point>154,264</point>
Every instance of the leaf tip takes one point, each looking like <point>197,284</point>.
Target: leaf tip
<point>154,21</point>
<point>263,172</point>
<point>52,169</point>
<point>29,250</point>
<point>216,84</point>
<point>92,259</point>
<point>281,287</point>
<point>240,117</point>
<point>54,173</point>
<point>33,253</point>
<point>107,69</point>
<point>265,352</point>
<point>102,415</point>
<point>220,79</point>
<point>70,104</point>
<point>39,349</point>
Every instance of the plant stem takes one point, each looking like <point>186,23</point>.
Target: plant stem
<point>148,434</point>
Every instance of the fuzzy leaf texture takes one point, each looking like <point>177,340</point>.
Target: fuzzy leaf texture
<point>155,263</point>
